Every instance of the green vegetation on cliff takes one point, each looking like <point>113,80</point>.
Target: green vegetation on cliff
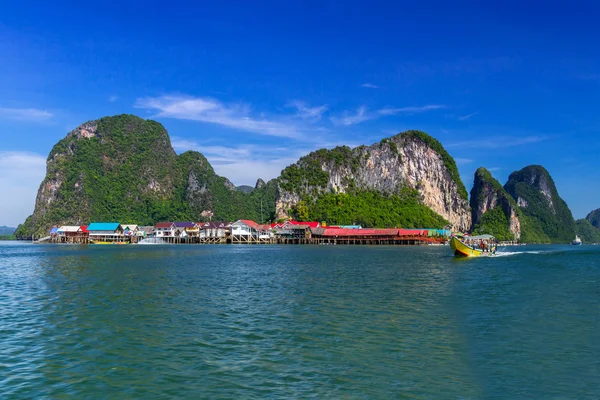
<point>548,214</point>
<point>494,222</point>
<point>124,169</point>
<point>531,229</point>
<point>587,232</point>
<point>307,176</point>
<point>370,209</point>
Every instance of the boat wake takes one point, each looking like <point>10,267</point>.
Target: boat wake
<point>514,253</point>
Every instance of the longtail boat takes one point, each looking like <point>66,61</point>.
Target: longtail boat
<point>461,249</point>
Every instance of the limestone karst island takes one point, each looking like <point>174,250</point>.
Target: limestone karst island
<point>118,180</point>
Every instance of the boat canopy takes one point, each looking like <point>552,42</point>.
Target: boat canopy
<point>481,237</point>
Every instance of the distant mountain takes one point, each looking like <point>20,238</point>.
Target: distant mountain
<point>594,218</point>
<point>587,232</point>
<point>5,230</point>
<point>124,169</point>
<point>493,210</point>
<point>245,188</point>
<point>545,216</point>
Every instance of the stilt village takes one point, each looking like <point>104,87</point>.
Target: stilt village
<point>241,232</point>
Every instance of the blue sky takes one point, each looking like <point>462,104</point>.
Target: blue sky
<point>255,85</point>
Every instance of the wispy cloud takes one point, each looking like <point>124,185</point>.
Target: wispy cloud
<point>112,99</point>
<point>306,112</point>
<point>463,161</point>
<point>25,114</point>
<point>212,111</point>
<point>245,163</point>
<point>362,114</point>
<point>369,85</point>
<point>20,175</point>
<point>466,117</point>
<point>347,119</point>
<point>498,142</point>
<point>409,110</point>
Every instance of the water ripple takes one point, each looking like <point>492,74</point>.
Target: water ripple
<point>296,322</point>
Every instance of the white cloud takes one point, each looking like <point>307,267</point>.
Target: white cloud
<point>213,111</point>
<point>112,99</point>
<point>369,85</point>
<point>25,114</point>
<point>243,164</point>
<point>409,110</point>
<point>463,161</point>
<point>498,142</point>
<point>348,119</point>
<point>466,117</point>
<point>20,176</point>
<point>362,115</point>
<point>306,112</point>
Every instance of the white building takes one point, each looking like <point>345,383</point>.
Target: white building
<point>165,229</point>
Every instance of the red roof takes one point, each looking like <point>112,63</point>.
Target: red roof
<point>413,232</point>
<point>359,232</point>
<point>164,225</point>
<point>250,223</point>
<point>310,224</point>
<point>83,228</point>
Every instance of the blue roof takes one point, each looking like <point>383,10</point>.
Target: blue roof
<point>53,230</point>
<point>103,226</point>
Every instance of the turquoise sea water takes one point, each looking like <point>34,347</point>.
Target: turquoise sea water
<point>298,322</point>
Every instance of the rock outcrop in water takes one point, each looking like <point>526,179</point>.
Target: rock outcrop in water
<point>545,217</point>
<point>411,160</point>
<point>493,210</point>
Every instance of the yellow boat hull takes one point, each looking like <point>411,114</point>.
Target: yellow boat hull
<point>462,250</point>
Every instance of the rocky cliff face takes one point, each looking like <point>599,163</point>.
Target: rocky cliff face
<point>124,169</point>
<point>411,159</point>
<point>488,195</point>
<point>545,215</point>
